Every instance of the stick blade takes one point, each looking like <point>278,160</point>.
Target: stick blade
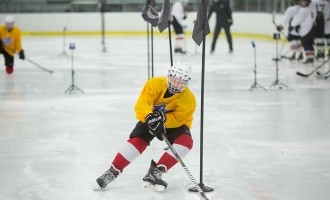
<point>302,75</point>
<point>154,188</point>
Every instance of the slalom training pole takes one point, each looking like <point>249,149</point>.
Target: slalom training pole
<point>152,52</point>
<point>170,41</point>
<point>148,41</point>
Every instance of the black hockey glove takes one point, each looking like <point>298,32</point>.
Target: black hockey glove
<point>279,28</point>
<point>22,55</point>
<point>155,122</point>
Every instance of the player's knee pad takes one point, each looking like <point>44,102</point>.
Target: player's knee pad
<point>184,140</point>
<point>138,143</point>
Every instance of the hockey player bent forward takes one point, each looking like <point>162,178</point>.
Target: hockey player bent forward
<point>10,43</point>
<point>165,105</point>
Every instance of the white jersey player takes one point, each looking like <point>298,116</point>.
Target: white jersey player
<point>304,23</point>
<point>294,38</point>
<point>179,15</point>
<point>323,13</point>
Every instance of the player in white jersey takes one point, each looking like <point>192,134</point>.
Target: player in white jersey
<point>296,50</point>
<point>179,15</point>
<point>323,12</point>
<point>304,23</point>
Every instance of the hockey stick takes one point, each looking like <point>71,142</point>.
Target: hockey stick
<point>326,74</point>
<point>39,66</point>
<point>314,70</point>
<point>273,18</point>
<point>184,167</point>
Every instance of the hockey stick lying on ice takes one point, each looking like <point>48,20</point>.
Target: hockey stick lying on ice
<point>314,70</point>
<point>39,66</point>
<point>202,195</point>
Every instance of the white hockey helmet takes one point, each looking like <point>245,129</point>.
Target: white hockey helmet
<point>9,22</point>
<point>178,77</point>
<point>305,3</point>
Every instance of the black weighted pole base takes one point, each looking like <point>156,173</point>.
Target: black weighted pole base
<point>203,187</point>
<point>278,84</point>
<point>256,85</point>
<point>72,88</point>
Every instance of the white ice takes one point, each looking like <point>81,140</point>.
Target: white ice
<point>258,145</point>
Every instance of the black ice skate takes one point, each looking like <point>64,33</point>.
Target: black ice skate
<point>108,176</point>
<point>153,179</point>
<point>179,50</point>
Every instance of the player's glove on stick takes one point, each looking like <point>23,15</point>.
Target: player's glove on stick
<point>22,55</point>
<point>1,46</point>
<point>279,28</point>
<point>155,122</point>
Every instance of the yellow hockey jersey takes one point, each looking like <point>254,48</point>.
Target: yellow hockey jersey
<point>11,40</point>
<point>181,106</point>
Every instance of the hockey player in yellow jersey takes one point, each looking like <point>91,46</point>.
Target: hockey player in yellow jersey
<point>165,105</point>
<point>10,43</point>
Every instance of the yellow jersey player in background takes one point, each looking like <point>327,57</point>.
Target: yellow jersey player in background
<point>165,105</point>
<point>10,43</point>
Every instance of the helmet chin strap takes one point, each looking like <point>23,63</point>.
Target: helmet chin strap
<point>168,93</point>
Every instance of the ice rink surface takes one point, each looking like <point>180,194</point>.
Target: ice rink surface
<point>258,145</point>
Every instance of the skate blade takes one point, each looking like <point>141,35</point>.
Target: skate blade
<point>154,188</point>
<point>97,188</point>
